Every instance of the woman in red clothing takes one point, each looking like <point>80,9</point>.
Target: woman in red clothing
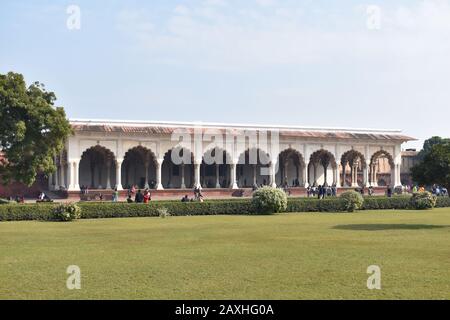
<point>147,196</point>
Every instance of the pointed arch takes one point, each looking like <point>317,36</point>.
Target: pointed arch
<point>139,168</point>
<point>97,168</point>
<point>291,163</point>
<point>253,168</point>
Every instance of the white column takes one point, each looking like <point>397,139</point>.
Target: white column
<point>62,182</point>
<point>69,171</point>
<point>396,180</point>
<point>315,174</point>
<point>72,176</point>
<point>338,177</point>
<point>344,175</point>
<point>233,175</point>
<point>197,175</point>
<point>76,175</point>
<point>254,174</point>
<point>273,183</point>
<point>159,185</point>
<point>183,183</point>
<point>146,165</point>
<point>217,176</point>
<point>57,179</point>
<point>108,175</point>
<point>306,176</point>
<point>366,176</point>
<point>50,182</point>
<point>355,176</point>
<point>119,186</point>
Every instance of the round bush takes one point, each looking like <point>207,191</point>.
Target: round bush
<point>423,201</point>
<point>268,200</point>
<point>66,212</point>
<point>353,200</point>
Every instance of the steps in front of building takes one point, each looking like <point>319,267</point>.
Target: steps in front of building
<point>177,194</point>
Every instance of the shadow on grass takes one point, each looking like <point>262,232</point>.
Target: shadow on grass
<point>381,227</point>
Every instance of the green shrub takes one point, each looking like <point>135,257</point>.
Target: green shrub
<point>163,213</point>
<point>443,202</point>
<point>316,205</point>
<point>423,200</point>
<point>385,203</point>
<point>26,212</point>
<point>66,212</point>
<point>268,200</point>
<point>353,200</point>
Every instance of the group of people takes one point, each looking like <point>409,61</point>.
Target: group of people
<point>139,196</point>
<point>43,198</point>
<point>439,191</point>
<point>321,191</point>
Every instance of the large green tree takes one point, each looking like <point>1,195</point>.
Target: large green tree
<point>32,130</point>
<point>429,143</point>
<point>434,168</point>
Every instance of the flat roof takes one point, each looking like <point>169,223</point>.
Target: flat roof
<point>167,127</point>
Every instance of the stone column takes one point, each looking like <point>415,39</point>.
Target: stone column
<point>344,175</point>
<point>254,174</point>
<point>197,175</point>
<point>50,182</point>
<point>76,172</point>
<point>159,185</point>
<point>374,176</point>
<point>395,176</point>
<point>233,176</point>
<point>69,171</point>
<point>325,176</point>
<point>108,175</point>
<point>315,174</point>
<point>119,174</point>
<point>366,177</point>
<point>146,166</point>
<point>272,182</point>
<point>217,176</point>
<point>355,176</point>
<point>56,179</point>
<point>183,183</point>
<point>338,177</point>
<point>62,182</point>
<point>306,176</point>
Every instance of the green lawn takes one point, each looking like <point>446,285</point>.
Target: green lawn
<point>296,256</point>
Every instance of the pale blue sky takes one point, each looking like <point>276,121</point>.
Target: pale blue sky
<point>313,63</point>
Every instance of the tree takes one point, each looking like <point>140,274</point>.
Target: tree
<point>32,130</point>
<point>435,166</point>
<point>428,144</point>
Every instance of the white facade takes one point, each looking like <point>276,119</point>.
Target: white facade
<point>113,154</point>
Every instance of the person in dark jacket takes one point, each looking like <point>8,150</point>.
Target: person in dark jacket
<point>139,198</point>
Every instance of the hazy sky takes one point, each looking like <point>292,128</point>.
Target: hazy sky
<point>314,63</point>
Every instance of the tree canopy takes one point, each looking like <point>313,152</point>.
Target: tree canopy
<point>32,130</point>
<point>434,167</point>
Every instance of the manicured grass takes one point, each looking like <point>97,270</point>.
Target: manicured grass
<point>295,256</point>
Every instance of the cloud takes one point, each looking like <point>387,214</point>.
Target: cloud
<point>216,36</point>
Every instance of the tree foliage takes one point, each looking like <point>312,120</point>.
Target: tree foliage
<point>435,166</point>
<point>430,143</point>
<point>32,130</point>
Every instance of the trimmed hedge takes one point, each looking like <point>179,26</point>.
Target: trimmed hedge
<point>21,212</point>
<point>112,210</point>
<point>385,203</point>
<point>97,210</point>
